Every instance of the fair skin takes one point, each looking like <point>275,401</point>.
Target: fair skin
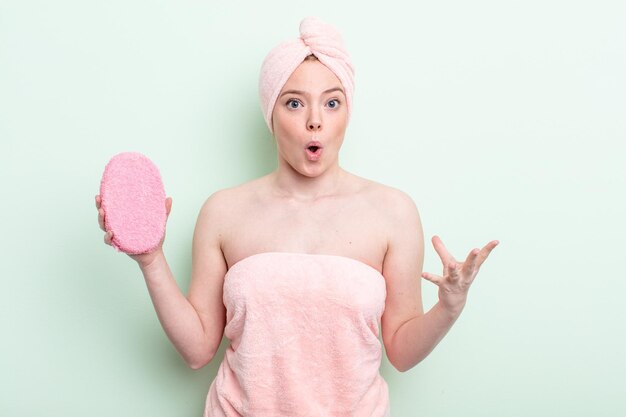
<point>312,207</point>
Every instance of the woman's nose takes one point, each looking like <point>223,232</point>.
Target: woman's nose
<point>314,118</point>
<point>314,121</point>
<point>314,125</point>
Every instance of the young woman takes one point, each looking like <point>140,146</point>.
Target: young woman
<point>297,267</point>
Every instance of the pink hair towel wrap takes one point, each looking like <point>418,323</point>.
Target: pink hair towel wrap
<point>133,200</point>
<point>316,38</point>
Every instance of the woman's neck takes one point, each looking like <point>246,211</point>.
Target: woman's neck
<point>288,183</point>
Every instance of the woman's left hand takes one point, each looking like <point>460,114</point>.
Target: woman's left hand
<point>457,277</point>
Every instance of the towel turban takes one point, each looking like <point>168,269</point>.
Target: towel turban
<point>317,38</point>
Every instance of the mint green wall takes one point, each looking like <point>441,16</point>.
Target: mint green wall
<point>503,120</point>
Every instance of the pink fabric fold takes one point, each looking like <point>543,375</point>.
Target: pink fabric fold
<point>316,37</point>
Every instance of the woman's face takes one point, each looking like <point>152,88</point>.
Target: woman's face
<point>310,107</point>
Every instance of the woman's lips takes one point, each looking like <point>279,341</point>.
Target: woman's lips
<point>313,150</point>
<point>314,155</point>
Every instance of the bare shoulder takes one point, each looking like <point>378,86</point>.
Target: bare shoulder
<point>216,207</point>
<point>396,203</point>
<point>226,201</point>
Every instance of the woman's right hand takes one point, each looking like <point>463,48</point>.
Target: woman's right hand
<point>143,259</point>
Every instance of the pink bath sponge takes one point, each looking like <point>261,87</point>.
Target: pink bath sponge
<point>133,200</point>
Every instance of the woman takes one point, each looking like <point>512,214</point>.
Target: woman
<point>298,266</point>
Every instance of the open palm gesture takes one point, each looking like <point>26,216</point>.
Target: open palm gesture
<point>457,277</point>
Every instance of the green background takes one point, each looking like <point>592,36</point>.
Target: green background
<point>502,119</point>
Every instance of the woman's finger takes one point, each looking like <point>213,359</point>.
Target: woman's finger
<point>484,252</point>
<point>435,279</point>
<point>453,271</point>
<point>101,219</point>
<point>168,206</point>
<point>441,250</point>
<point>98,201</point>
<point>470,263</point>
<point>108,236</point>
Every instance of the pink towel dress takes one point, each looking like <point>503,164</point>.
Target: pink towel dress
<point>304,333</point>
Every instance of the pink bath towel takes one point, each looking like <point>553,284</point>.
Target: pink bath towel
<point>133,200</point>
<point>304,339</point>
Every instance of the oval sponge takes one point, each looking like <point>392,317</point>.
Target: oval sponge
<point>133,200</point>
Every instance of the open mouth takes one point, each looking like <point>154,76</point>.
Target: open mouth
<point>314,152</point>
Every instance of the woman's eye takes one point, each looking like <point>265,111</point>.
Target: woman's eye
<point>333,103</point>
<point>290,104</point>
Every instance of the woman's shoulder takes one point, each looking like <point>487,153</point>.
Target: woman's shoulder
<point>386,194</point>
<point>395,208</point>
<point>388,197</point>
<point>228,199</point>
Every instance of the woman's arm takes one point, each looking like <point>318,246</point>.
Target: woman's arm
<point>409,334</point>
<point>194,324</point>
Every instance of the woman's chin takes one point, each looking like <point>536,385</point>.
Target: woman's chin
<point>310,172</point>
<point>308,169</point>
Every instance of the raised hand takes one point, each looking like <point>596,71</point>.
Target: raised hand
<point>457,277</point>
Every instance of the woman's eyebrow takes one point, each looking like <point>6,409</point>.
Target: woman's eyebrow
<point>330,90</point>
